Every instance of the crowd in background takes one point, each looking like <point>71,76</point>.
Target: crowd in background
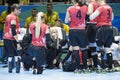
<point>26,2</point>
<point>46,34</point>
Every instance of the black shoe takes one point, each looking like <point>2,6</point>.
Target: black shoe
<point>5,66</point>
<point>39,70</point>
<point>34,71</point>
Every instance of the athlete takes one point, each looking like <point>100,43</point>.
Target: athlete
<point>11,43</point>
<point>104,36</point>
<point>77,34</point>
<point>91,31</point>
<point>38,31</point>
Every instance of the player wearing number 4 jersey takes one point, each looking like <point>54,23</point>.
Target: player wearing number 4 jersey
<point>77,34</point>
<point>104,34</point>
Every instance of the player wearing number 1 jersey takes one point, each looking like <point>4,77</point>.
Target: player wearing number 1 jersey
<point>104,34</point>
<point>77,34</point>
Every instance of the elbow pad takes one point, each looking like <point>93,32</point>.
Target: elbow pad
<point>48,38</point>
<point>13,29</point>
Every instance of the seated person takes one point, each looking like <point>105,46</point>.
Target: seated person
<point>64,26</point>
<point>54,48</point>
<point>25,39</point>
<point>26,59</point>
<point>116,51</point>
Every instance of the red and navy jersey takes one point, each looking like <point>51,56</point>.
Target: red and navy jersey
<point>95,6</point>
<point>77,16</point>
<point>7,30</point>
<point>40,41</point>
<point>105,16</point>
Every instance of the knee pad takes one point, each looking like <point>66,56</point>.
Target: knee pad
<point>108,50</point>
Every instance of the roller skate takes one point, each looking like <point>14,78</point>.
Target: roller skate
<point>10,67</point>
<point>38,70</point>
<point>77,71</point>
<point>18,66</point>
<point>110,70</point>
<point>103,71</point>
<point>86,71</point>
<point>116,69</point>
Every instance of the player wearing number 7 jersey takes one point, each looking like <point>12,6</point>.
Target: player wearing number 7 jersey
<point>104,34</point>
<point>77,34</point>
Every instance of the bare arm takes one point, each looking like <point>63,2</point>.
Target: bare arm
<point>94,15</point>
<point>90,9</point>
<point>112,16</point>
<point>67,17</point>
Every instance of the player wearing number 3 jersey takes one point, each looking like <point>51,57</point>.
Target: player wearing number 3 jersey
<point>104,34</point>
<point>77,34</point>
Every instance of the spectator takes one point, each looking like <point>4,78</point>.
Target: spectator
<point>51,16</point>
<point>31,18</point>
<point>59,23</point>
<point>24,2</point>
<point>67,1</point>
<point>54,49</point>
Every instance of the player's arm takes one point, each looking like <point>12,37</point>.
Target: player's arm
<point>13,29</point>
<point>90,9</point>
<point>67,17</point>
<point>112,16</point>
<point>94,15</point>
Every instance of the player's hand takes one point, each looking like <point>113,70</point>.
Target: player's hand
<point>19,47</point>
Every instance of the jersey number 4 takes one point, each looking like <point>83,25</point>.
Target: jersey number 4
<point>78,15</point>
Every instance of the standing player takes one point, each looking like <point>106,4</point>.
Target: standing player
<point>11,37</point>
<point>104,36</point>
<point>77,33</point>
<point>91,31</point>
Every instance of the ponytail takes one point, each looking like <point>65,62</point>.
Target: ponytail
<point>38,24</point>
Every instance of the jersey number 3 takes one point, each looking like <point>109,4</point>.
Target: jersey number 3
<point>108,14</point>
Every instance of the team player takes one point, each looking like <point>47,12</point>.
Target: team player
<point>77,33</point>
<point>38,31</point>
<point>11,39</point>
<point>91,31</point>
<point>104,36</point>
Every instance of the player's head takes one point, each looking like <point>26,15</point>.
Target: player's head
<point>80,2</point>
<point>40,17</point>
<point>16,8</point>
<point>101,1</point>
<point>54,33</point>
